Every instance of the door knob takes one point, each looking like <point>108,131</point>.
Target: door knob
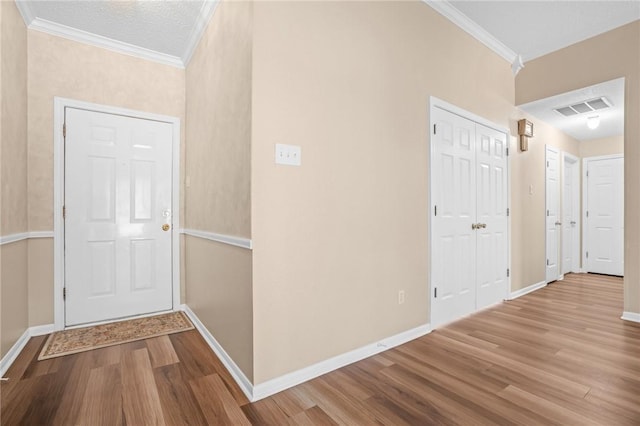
<point>166,227</point>
<point>573,222</point>
<point>474,226</point>
<point>558,223</point>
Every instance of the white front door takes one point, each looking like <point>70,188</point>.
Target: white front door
<point>570,214</point>
<point>491,214</point>
<point>118,202</point>
<point>605,216</point>
<point>553,213</point>
<point>454,196</point>
<point>469,218</point>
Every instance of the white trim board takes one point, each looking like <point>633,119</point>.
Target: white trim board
<point>59,105</point>
<point>527,290</point>
<point>631,316</point>
<point>463,22</point>
<point>245,384</point>
<point>7,239</point>
<point>17,347</point>
<point>221,238</point>
<point>273,386</point>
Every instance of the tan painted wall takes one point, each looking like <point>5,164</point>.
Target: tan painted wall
<point>219,292</point>
<point>60,67</point>
<point>337,238</point>
<point>40,281</point>
<point>605,146</point>
<point>218,199</point>
<point>219,124</point>
<point>13,175</point>
<point>608,56</point>
<point>14,122</point>
<point>528,251</point>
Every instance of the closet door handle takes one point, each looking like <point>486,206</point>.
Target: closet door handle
<point>474,226</point>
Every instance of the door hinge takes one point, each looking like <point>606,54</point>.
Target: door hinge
<point>587,255</point>
<point>64,293</point>
<point>507,151</point>
<point>547,212</point>
<point>64,130</point>
<point>508,272</point>
<point>587,213</point>
<point>435,210</point>
<point>587,173</point>
<point>547,164</point>
<point>547,262</point>
<point>64,212</point>
<point>507,211</point>
<point>434,129</point>
<point>435,292</point>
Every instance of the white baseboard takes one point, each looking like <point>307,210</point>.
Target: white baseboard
<point>235,371</point>
<point>631,316</point>
<point>527,290</point>
<point>17,347</point>
<point>294,378</point>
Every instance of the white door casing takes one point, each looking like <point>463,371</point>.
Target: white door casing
<point>570,214</point>
<point>604,215</point>
<point>469,187</point>
<point>552,222</point>
<point>117,195</point>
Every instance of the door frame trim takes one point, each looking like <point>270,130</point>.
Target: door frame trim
<point>59,105</point>
<point>574,160</point>
<point>585,201</point>
<point>435,102</point>
<point>560,276</point>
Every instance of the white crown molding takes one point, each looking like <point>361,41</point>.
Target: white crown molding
<point>25,10</point>
<point>207,11</point>
<point>220,238</point>
<point>461,20</point>
<point>85,37</point>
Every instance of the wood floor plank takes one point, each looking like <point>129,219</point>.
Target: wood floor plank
<point>216,402</point>
<point>313,416</point>
<point>102,401</point>
<point>179,405</point>
<point>140,399</point>
<point>161,351</point>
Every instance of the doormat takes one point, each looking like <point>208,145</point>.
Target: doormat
<point>77,340</point>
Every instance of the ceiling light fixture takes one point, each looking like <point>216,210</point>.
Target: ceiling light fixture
<point>593,122</point>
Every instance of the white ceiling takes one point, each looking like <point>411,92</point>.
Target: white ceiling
<point>611,119</point>
<point>535,28</point>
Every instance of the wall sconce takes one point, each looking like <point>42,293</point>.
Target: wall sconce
<point>525,131</point>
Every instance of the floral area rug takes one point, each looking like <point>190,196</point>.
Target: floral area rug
<point>83,339</point>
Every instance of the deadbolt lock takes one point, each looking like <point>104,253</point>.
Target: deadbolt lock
<point>166,227</point>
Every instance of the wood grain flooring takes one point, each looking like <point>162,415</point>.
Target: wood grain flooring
<point>558,356</point>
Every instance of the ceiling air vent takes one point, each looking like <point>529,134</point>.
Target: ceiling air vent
<point>584,107</point>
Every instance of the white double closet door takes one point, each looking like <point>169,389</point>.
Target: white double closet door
<point>469,257</point>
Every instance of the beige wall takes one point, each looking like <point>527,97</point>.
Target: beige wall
<point>218,166</point>
<point>219,292</point>
<point>528,251</point>
<point>60,67</point>
<point>13,175</point>
<point>337,238</point>
<point>605,146</point>
<point>608,56</point>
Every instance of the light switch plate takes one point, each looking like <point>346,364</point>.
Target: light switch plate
<point>290,155</point>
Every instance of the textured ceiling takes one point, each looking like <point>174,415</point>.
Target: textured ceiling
<point>611,119</point>
<point>535,28</point>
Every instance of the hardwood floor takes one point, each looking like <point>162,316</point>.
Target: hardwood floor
<point>560,355</point>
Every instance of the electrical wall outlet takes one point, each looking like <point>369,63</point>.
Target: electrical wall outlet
<point>400,297</point>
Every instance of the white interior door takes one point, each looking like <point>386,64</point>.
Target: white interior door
<point>553,222</point>
<point>118,200</point>
<point>454,199</point>
<point>469,222</point>
<point>604,216</point>
<point>491,215</point>
<point>570,214</point>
